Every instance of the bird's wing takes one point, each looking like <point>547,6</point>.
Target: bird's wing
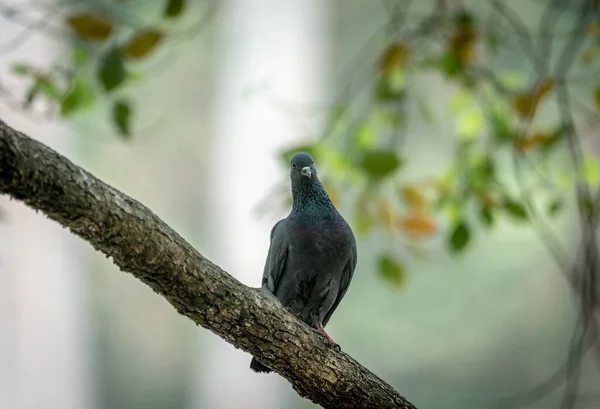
<point>344,283</point>
<point>276,257</point>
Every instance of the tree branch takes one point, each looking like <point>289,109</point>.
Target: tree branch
<point>143,245</point>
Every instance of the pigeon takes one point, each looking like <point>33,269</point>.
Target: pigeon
<point>312,253</point>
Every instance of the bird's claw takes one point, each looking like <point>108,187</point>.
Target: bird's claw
<point>330,341</point>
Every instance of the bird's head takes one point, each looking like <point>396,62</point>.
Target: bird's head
<point>303,168</point>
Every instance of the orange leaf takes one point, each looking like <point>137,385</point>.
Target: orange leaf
<point>392,58</point>
<point>413,197</point>
<point>526,103</point>
<point>417,225</point>
<point>90,27</point>
<point>532,142</point>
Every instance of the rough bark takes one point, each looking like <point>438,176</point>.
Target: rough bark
<point>143,245</point>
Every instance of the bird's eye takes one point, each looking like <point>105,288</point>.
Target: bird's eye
<point>294,165</point>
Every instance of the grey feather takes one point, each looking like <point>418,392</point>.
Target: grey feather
<point>312,253</point>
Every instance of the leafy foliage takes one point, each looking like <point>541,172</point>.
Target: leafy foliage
<point>102,64</point>
<point>510,140</point>
<point>391,270</point>
<point>122,117</point>
<point>460,237</point>
<point>112,70</point>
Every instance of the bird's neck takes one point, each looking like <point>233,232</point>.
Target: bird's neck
<point>310,198</point>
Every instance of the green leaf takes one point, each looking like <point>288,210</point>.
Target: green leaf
<point>41,86</point>
<point>32,94</point>
<point>512,79</point>
<point>379,163</point>
<point>174,8</point>
<point>464,19</point>
<point>487,169</point>
<point>391,270</point>
<point>591,170</point>
<point>363,215</point>
<point>112,71</point>
<point>460,236</point>
<point>515,209</point>
<point>22,69</point>
<point>470,124</point>
<point>80,56</point>
<point>555,137</point>
<point>48,88</point>
<point>555,207</point>
<point>450,65</point>
<point>79,96</point>
<point>483,174</point>
<point>487,217</point>
<point>384,92</point>
<point>365,136</point>
<point>587,205</point>
<point>122,117</point>
<point>501,127</point>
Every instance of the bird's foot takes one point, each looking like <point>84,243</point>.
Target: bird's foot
<point>327,337</point>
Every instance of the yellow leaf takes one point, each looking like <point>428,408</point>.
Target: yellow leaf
<point>588,56</point>
<point>416,249</point>
<point>418,225</point>
<point>462,43</point>
<point>386,213</point>
<point>413,197</point>
<point>591,171</point>
<point>90,27</point>
<point>594,29</point>
<point>142,44</point>
<point>527,103</point>
<point>597,98</point>
<point>470,124</point>
<point>393,57</point>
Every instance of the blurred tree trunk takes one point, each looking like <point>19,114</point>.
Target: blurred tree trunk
<point>44,357</point>
<point>273,63</point>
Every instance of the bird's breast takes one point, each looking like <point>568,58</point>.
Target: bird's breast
<point>325,243</point>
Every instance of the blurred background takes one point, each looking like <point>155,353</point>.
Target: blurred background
<point>238,84</point>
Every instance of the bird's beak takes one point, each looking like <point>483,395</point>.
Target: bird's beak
<point>306,172</point>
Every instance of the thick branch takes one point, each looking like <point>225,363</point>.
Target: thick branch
<point>143,245</point>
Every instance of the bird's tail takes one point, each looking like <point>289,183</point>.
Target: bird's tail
<point>258,367</point>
